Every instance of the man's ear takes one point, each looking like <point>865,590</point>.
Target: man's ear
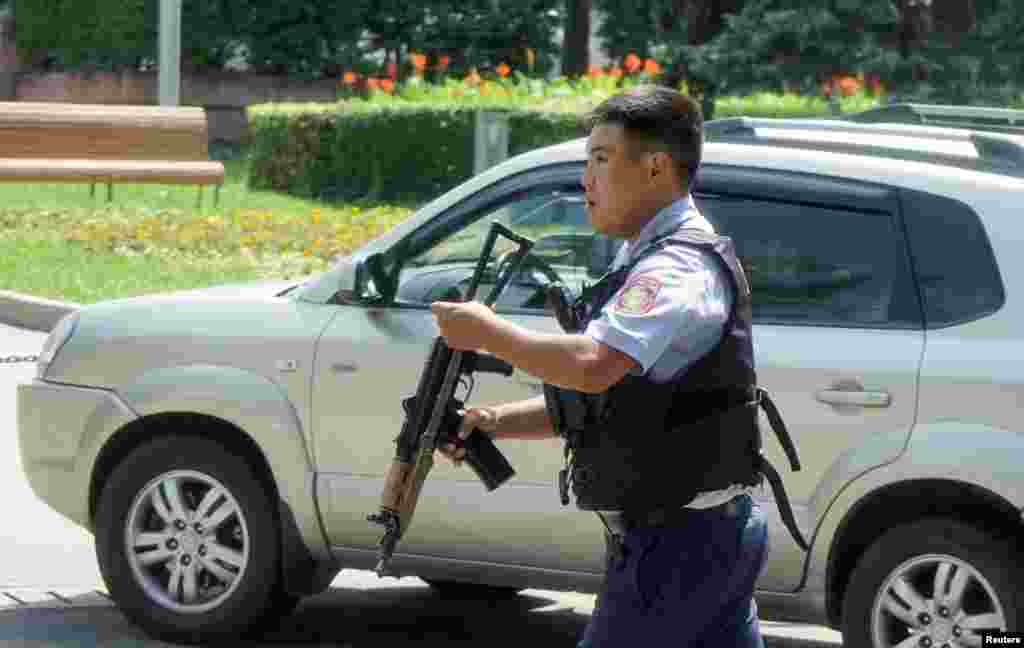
<point>658,164</point>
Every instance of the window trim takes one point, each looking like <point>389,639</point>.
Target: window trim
<point>797,187</point>
<point>909,197</point>
<point>820,192</point>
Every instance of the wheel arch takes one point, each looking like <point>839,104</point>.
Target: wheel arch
<point>902,503</point>
<point>153,426</point>
<point>302,573</point>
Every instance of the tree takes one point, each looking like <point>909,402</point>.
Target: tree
<point>935,50</point>
<point>647,26</point>
<point>698,21</point>
<point>629,26</point>
<point>576,50</point>
<point>98,34</point>
<point>300,39</point>
<point>483,34</point>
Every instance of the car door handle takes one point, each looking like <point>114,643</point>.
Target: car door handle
<point>855,398</point>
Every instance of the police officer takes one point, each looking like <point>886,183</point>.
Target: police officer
<point>653,389</point>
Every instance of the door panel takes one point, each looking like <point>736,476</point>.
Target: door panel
<point>369,359</point>
<point>358,414</point>
<point>794,364</point>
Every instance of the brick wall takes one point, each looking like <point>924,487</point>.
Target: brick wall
<point>225,95</point>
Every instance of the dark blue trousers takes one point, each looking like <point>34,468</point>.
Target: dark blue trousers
<point>686,585</point>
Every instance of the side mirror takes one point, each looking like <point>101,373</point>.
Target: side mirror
<point>373,282</point>
<point>365,281</point>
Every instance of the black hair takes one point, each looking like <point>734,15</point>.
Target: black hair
<point>657,118</point>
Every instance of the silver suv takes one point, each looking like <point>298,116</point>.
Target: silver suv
<point>226,446</point>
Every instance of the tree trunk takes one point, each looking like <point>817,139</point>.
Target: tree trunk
<point>954,18</point>
<point>915,26</point>
<point>576,47</point>
<point>8,55</point>
<point>703,18</point>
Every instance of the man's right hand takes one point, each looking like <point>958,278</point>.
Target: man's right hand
<point>484,419</point>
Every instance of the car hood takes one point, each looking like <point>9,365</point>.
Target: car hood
<point>261,288</point>
<point>243,327</point>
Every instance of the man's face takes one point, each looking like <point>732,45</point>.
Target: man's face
<point>616,183</point>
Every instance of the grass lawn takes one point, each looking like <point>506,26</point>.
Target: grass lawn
<point>57,241</point>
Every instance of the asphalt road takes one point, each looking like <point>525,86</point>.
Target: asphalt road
<point>51,593</point>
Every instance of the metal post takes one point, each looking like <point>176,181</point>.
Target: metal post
<point>169,69</point>
<point>490,141</point>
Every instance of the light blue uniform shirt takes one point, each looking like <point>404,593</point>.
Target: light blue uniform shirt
<point>671,310</point>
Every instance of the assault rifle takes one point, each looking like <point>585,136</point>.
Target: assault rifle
<point>431,416</point>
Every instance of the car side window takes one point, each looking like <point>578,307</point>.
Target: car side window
<point>818,265</point>
<point>953,260</point>
<point>566,248</point>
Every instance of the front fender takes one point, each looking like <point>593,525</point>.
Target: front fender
<point>252,403</point>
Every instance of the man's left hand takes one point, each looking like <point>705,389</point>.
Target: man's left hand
<point>466,326</point>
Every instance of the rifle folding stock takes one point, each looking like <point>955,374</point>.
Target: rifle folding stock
<point>432,418</point>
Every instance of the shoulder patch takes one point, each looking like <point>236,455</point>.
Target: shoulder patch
<point>638,295</point>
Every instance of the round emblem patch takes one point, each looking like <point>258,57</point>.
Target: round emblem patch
<point>638,296</point>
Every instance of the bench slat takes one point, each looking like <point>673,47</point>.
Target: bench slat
<point>101,143</point>
<point>149,117</point>
<point>102,171</point>
<point>72,131</point>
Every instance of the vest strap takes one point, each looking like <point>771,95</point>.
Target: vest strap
<point>772,475</point>
<point>782,501</point>
<point>779,428</point>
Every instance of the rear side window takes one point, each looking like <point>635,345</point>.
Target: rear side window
<point>956,270</point>
<point>816,265</point>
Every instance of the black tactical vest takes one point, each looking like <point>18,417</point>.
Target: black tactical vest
<point>643,446</point>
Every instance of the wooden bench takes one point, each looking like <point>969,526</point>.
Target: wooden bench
<point>106,144</point>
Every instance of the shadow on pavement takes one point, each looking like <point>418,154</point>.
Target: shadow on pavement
<point>348,618</point>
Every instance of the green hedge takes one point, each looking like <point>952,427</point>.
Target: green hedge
<point>410,152</point>
<point>403,153</point>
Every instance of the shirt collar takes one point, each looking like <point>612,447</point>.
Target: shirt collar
<point>668,219</point>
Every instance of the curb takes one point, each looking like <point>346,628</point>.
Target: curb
<point>32,313</point>
<point>12,600</point>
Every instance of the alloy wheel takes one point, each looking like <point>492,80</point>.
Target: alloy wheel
<point>935,601</point>
<point>187,541</point>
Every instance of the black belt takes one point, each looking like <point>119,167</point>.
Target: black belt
<point>619,522</point>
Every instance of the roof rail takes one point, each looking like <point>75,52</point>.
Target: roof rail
<point>1000,120</point>
<point>995,151</point>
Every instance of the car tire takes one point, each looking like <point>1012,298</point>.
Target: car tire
<point>282,605</point>
<point>176,581</point>
<point>893,590</point>
<point>459,589</point>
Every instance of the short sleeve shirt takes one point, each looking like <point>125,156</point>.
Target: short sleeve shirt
<point>674,304</point>
<point>671,310</point>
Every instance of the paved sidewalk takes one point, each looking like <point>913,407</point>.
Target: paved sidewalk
<point>353,616</point>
